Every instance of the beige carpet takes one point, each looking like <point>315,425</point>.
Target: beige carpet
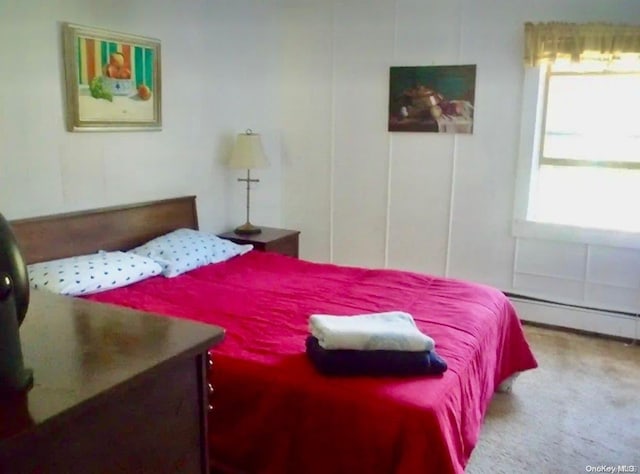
<point>580,408</point>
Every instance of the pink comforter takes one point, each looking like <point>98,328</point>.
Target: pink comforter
<point>275,414</point>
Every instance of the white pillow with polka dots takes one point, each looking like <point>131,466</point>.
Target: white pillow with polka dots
<point>87,274</point>
<point>187,249</point>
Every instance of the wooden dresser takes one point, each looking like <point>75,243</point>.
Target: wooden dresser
<point>115,390</point>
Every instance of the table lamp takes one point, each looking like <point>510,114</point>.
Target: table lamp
<point>14,301</point>
<point>248,154</point>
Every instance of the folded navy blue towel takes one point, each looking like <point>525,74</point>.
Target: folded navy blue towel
<point>376,362</point>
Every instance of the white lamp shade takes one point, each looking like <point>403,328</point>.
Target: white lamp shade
<point>248,152</point>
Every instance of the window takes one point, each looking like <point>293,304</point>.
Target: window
<point>589,165</point>
<point>578,176</point>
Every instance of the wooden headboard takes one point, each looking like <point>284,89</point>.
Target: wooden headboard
<point>110,228</point>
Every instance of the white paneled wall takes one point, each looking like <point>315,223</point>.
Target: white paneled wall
<point>613,278</point>
<point>435,203</point>
<point>419,204</point>
<point>582,274</point>
<point>220,75</point>
<point>551,259</point>
<point>312,77</point>
<point>363,45</point>
<point>613,266</point>
<point>307,118</point>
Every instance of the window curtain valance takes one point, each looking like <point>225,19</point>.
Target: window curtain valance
<point>548,42</point>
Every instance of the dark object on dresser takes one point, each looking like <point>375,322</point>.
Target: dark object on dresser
<point>14,301</point>
<point>118,390</point>
<point>282,241</point>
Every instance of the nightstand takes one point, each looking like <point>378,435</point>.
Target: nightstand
<point>281,241</point>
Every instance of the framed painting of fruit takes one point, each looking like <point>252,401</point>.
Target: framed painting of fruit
<point>432,99</point>
<point>112,80</point>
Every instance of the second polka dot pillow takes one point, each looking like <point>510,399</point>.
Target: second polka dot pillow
<point>187,249</point>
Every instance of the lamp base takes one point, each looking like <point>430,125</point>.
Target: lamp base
<point>247,229</point>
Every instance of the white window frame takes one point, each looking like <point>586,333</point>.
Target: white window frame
<point>531,130</point>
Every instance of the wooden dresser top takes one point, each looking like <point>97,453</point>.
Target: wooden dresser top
<point>81,351</point>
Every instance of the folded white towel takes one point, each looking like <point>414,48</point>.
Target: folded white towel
<point>393,330</point>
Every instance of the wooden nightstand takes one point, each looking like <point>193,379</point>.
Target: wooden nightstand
<point>281,241</point>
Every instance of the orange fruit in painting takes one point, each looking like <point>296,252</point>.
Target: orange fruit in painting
<point>116,59</point>
<point>124,73</point>
<point>110,70</point>
<point>144,92</point>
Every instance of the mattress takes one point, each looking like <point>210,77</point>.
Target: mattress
<point>274,413</point>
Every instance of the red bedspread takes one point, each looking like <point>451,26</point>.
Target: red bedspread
<point>275,414</point>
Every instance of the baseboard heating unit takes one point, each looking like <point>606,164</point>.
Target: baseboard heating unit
<point>593,320</point>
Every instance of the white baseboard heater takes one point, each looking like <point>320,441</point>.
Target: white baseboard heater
<point>612,323</point>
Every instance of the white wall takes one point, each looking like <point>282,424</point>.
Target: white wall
<point>220,75</point>
<point>436,203</point>
<point>312,77</point>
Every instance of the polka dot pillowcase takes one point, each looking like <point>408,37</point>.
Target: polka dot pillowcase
<point>87,274</point>
<point>187,249</point>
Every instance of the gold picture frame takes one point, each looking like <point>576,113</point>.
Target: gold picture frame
<point>113,80</point>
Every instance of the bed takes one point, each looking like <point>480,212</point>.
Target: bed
<point>272,411</point>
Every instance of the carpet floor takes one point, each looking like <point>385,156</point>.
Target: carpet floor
<point>579,408</point>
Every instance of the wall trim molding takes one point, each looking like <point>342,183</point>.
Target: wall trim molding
<point>618,324</point>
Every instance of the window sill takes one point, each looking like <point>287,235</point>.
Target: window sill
<point>581,235</point>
